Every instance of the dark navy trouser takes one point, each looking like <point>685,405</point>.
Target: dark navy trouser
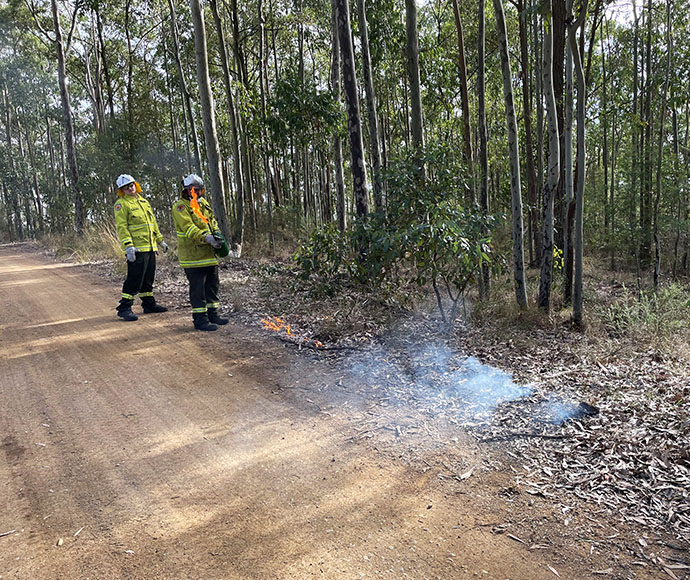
<point>140,276</point>
<point>204,285</point>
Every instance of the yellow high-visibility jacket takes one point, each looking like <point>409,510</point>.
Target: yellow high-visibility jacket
<point>192,249</point>
<point>136,225</point>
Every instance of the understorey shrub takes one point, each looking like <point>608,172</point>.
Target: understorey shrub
<point>426,238</point>
<point>644,315</point>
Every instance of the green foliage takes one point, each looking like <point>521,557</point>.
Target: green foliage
<point>425,239</point>
<point>661,314</point>
<point>324,258</point>
<point>301,111</point>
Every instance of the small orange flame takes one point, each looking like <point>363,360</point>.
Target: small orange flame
<point>196,208</point>
<point>276,324</point>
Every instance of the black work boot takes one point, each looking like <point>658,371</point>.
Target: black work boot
<point>152,307</point>
<point>201,321</point>
<point>215,318</point>
<point>124,311</point>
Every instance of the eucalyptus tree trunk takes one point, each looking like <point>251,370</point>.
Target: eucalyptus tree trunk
<point>485,280</point>
<point>174,129</point>
<point>236,152</point>
<point>559,15</point>
<point>14,221</point>
<point>263,80</point>
<point>578,317</point>
<point>533,218</point>
<point>539,99</point>
<point>129,105</point>
<point>29,222</point>
<point>186,98</point>
<point>635,157</point>
<point>70,142</point>
<point>34,174</point>
<point>104,59</point>
<point>554,172</point>
<point>646,182</point>
<point>682,202</point>
<point>7,202</point>
<point>240,65</point>
<point>514,152</point>
<point>660,146</point>
<point>337,143</point>
<point>466,127</point>
<point>609,155</point>
<point>93,79</point>
<point>608,208</point>
<point>569,221</point>
<point>304,149</point>
<point>51,152</point>
<point>615,143</point>
<point>412,50</point>
<point>374,140</point>
<point>354,123</point>
<point>208,119</point>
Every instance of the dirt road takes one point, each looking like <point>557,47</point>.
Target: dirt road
<point>149,451</point>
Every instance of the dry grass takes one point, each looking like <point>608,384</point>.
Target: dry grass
<point>99,243</point>
<point>616,313</point>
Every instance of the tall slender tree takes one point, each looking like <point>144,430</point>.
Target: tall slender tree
<point>554,170</point>
<point>578,316</point>
<point>186,98</point>
<point>485,283</point>
<point>464,95</point>
<point>514,152</point>
<point>354,122</point>
<point>234,132</point>
<point>341,214</point>
<point>374,140</point>
<point>660,144</point>
<point>68,123</point>
<point>412,52</point>
<point>209,119</point>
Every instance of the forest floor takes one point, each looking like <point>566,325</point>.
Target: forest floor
<point>366,443</point>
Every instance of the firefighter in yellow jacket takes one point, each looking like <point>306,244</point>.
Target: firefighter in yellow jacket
<point>196,245</point>
<point>140,237</point>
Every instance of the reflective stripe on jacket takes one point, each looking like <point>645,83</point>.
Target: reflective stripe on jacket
<point>136,225</point>
<point>192,249</point>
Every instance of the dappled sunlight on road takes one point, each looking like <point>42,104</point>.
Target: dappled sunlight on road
<point>24,282</point>
<point>72,334</point>
<point>9,267</point>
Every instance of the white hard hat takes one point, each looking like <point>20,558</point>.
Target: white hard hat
<point>124,179</point>
<point>192,180</point>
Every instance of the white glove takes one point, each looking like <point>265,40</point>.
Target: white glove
<point>209,239</point>
<point>164,247</point>
<point>131,253</point>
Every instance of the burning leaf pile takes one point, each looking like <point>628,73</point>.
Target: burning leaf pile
<point>279,325</point>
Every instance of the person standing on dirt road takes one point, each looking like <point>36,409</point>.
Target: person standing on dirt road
<point>197,248</point>
<point>140,237</point>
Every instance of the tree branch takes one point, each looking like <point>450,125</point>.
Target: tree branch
<point>32,9</point>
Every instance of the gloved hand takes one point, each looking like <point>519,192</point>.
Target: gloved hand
<point>131,253</point>
<point>209,239</point>
<point>164,247</point>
